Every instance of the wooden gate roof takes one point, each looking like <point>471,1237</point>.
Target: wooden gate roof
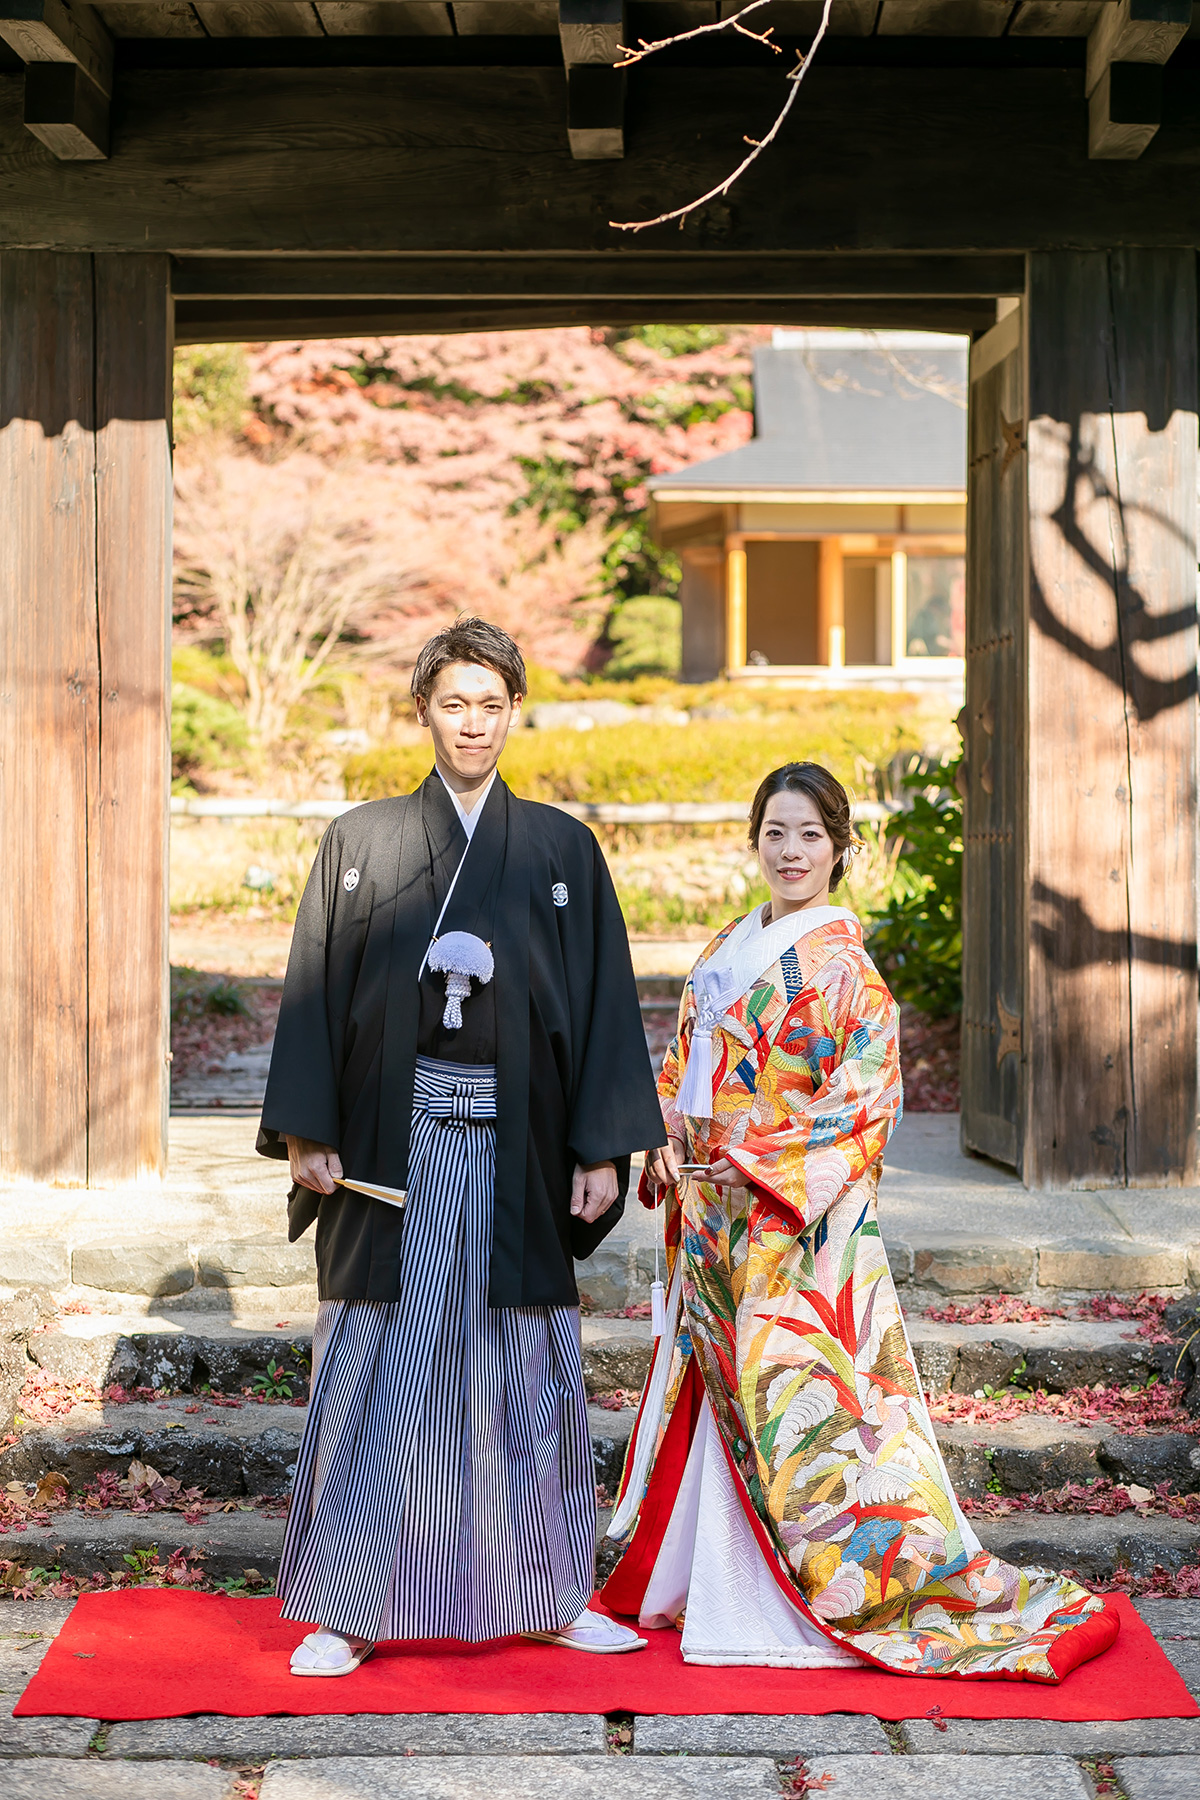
<point>319,167</point>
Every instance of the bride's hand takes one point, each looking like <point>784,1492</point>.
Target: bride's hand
<point>662,1165</point>
<point>723,1173</point>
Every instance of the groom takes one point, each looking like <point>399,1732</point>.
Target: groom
<point>455,1159</point>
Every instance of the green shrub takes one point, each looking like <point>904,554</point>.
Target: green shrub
<point>917,940</point>
<point>211,389</point>
<point>717,760</point>
<point>208,668</point>
<point>675,340</point>
<point>194,993</point>
<point>206,733</point>
<point>647,637</point>
<point>640,690</point>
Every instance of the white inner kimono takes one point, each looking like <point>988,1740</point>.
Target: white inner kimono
<point>711,1567</point>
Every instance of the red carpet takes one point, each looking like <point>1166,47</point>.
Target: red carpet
<point>157,1654</point>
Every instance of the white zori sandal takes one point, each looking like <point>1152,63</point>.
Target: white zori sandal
<point>591,1631</point>
<point>328,1653</point>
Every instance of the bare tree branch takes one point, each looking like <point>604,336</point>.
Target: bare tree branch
<point>905,372</point>
<point>926,377</point>
<point>795,77</point>
<point>680,37</point>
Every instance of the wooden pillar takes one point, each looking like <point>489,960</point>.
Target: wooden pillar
<point>993,777</point>
<point>1112,1041</point>
<point>735,603</point>
<point>899,573</point>
<point>702,601</point>
<point>85,495</point>
<point>1080,1016</point>
<point>831,604</point>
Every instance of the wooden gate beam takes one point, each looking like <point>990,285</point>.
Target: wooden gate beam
<point>85,492</point>
<point>223,322</point>
<point>592,32</point>
<point>1110,1028</point>
<point>1126,49</point>
<point>474,160</point>
<point>59,31</point>
<point>634,277</point>
<point>228,298</point>
<point>68,55</point>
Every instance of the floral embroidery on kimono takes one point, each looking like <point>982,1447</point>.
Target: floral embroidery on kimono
<point>790,1317</point>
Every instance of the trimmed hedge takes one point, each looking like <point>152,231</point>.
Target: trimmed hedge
<point>710,759</point>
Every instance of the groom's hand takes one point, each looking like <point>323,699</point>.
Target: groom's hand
<point>313,1165</point>
<point>594,1187</point>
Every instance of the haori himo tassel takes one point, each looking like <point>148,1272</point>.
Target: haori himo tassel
<point>461,957</point>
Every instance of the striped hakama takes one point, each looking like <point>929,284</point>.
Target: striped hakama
<point>444,1486</point>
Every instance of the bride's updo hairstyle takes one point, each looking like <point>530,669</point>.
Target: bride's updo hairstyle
<point>827,795</point>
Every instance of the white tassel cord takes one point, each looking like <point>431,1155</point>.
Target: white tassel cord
<point>459,956</point>
<point>658,1298</point>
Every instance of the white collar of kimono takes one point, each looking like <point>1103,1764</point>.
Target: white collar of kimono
<point>720,981</point>
<point>468,820</point>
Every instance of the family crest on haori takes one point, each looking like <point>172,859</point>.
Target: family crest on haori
<point>458,1080</point>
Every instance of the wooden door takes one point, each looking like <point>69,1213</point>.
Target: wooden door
<point>993,724</point>
<point>1111,1022</point>
<point>85,509</point>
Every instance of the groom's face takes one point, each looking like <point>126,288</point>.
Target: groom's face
<point>469,715</point>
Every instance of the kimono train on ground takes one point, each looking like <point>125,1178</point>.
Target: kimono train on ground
<point>784,1490</point>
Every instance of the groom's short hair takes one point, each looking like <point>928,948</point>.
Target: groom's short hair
<point>470,641</point>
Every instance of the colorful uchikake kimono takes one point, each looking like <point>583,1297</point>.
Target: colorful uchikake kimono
<point>783,1489</point>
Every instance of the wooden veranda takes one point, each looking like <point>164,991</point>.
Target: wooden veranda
<point>247,169</point>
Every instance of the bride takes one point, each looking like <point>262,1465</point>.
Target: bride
<point>784,1497</point>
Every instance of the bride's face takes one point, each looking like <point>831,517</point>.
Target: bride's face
<point>795,852</point>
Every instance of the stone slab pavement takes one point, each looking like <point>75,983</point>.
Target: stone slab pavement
<point>1171,1618</point>
<point>1043,1737</point>
<point>366,1734</point>
<point>38,1779</point>
<point>941,1778</point>
<point>683,1778</point>
<point>782,1736</point>
<point>1168,1778</point>
<point>527,1778</point>
<point>567,1757</point>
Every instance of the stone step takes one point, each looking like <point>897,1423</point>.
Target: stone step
<point>239,1081</point>
<point>246,1450</point>
<point>1033,1454</point>
<point>81,1543</point>
<point>964,1359</point>
<point>662,990</point>
<point>209,1273</point>
<point>230,1543</point>
<point>1055,1355</point>
<point>610,1440</point>
<point>1093,1546</point>
<point>183,1352</point>
<point>170,1351</point>
<point>250,1448</point>
<point>236,1450</point>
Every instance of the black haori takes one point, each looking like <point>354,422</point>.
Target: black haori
<point>444,1486</point>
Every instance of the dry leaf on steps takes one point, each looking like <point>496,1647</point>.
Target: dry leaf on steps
<point>52,1490</point>
<point>144,1475</point>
